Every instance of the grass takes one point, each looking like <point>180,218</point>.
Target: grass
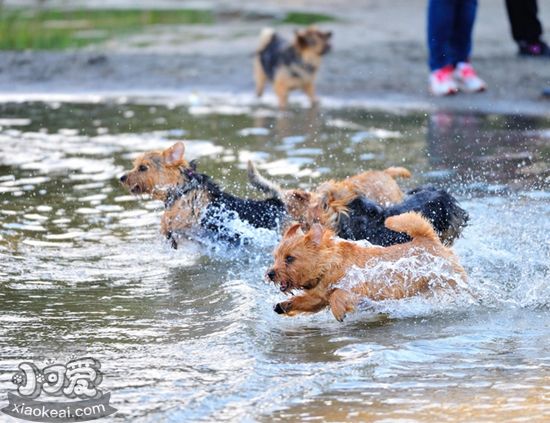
<point>60,29</point>
<point>303,18</point>
<point>50,29</point>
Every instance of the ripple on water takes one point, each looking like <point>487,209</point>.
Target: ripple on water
<point>83,269</point>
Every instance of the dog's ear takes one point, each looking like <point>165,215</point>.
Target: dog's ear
<point>301,39</point>
<point>314,213</point>
<point>315,234</point>
<point>327,34</point>
<point>296,228</point>
<point>193,165</point>
<point>174,154</point>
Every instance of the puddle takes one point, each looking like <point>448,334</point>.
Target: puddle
<point>191,335</point>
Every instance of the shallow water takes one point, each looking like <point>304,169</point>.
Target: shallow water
<point>190,335</point>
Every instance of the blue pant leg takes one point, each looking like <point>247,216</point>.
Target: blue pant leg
<point>461,39</point>
<point>440,28</point>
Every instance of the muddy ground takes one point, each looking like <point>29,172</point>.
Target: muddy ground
<point>379,57</point>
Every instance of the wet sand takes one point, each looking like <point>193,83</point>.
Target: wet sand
<point>379,56</point>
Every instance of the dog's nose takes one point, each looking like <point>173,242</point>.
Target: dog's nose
<point>271,274</point>
<point>123,178</point>
<point>278,309</point>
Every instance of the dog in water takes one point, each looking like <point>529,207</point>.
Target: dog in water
<point>316,262</point>
<point>192,200</point>
<point>290,66</point>
<point>306,206</point>
<point>198,202</point>
<point>363,219</point>
<point>356,207</point>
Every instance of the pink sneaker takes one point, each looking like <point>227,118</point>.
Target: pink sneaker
<point>467,79</point>
<point>442,81</point>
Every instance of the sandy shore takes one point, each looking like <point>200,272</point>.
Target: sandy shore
<point>379,56</point>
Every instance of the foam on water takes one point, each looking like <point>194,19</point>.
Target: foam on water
<point>439,297</point>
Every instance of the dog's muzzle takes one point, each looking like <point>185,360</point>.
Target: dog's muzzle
<point>278,309</point>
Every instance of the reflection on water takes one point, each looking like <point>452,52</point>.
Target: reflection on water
<point>190,335</point>
<point>484,150</point>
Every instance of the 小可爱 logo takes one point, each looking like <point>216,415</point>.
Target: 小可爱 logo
<point>78,380</point>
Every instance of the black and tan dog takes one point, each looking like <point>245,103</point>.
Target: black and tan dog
<point>198,202</point>
<point>356,207</point>
<point>193,201</point>
<point>290,66</point>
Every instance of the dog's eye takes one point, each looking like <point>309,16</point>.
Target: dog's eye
<point>289,259</point>
<point>142,168</point>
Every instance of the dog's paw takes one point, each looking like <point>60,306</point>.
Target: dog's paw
<point>280,308</point>
<point>339,315</point>
<point>341,302</point>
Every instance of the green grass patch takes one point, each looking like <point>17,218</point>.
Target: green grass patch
<point>304,18</point>
<point>60,29</point>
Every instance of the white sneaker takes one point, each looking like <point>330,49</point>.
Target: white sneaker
<point>467,79</point>
<point>442,82</point>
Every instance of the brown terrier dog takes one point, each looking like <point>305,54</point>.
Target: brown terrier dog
<point>333,196</point>
<point>290,66</point>
<point>156,169</point>
<point>324,204</point>
<point>316,262</point>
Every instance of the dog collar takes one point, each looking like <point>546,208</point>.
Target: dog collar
<point>179,191</point>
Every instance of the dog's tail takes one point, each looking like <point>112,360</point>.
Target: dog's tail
<point>397,172</point>
<point>265,38</point>
<point>413,224</point>
<point>261,183</point>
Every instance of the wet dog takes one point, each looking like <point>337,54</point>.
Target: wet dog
<point>363,219</point>
<point>156,169</point>
<point>378,185</point>
<point>192,200</point>
<point>198,202</point>
<point>356,207</point>
<point>316,263</point>
<point>290,66</point>
<point>308,207</point>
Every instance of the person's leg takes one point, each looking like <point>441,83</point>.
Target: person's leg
<point>440,28</point>
<point>463,25</point>
<point>461,47</point>
<point>523,20</point>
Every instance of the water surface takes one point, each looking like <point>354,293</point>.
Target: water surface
<point>190,335</point>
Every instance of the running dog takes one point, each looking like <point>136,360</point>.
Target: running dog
<point>192,200</point>
<point>317,262</point>
<point>290,66</point>
<point>198,202</point>
<point>356,207</point>
<point>305,206</point>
